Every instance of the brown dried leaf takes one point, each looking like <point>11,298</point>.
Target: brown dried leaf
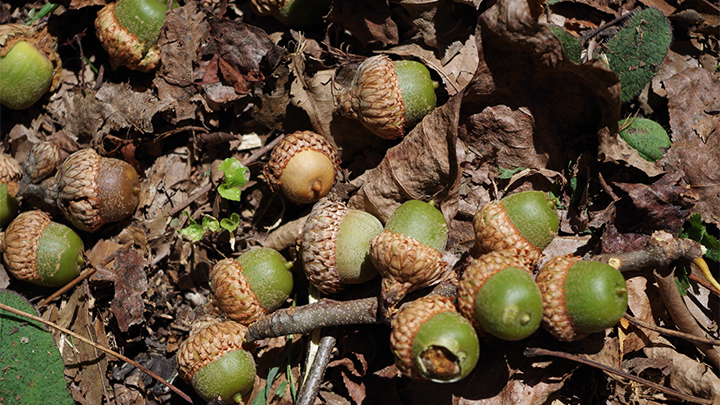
<point>439,23</point>
<point>663,207</point>
<point>369,21</point>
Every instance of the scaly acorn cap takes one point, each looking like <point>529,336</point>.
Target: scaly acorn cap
<point>42,161</point>
<point>551,281</point>
<point>233,294</point>
<point>304,165</point>
<point>495,231</point>
<point>10,173</point>
<point>406,265</point>
<point>207,344</point>
<point>123,47</point>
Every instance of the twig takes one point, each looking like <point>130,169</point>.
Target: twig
<point>660,251</point>
<point>536,352</point>
<point>97,346</point>
<point>315,375</point>
<point>85,274</point>
<point>671,332</point>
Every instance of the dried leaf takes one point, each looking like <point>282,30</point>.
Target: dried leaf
<point>663,207</point>
<point>128,275</point>
<point>369,21</point>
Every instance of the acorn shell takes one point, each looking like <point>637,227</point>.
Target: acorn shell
<point>42,161</point>
<point>122,46</point>
<point>10,174</point>
<point>304,165</point>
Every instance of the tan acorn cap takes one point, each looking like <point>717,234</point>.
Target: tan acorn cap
<point>206,345</point>
<point>406,324</point>
<point>42,161</point>
<point>477,273</point>
<point>551,281</point>
<point>267,7</point>
<point>406,265</point>
<point>123,47</point>
<point>20,244</point>
<point>77,190</point>
<point>41,40</point>
<point>320,235</point>
<point>494,230</point>
<point>375,99</point>
<point>10,173</point>
<point>232,293</point>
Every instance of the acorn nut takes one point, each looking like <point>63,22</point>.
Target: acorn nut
<point>498,294</point>
<point>336,246</point>
<point>251,286</point>
<point>213,361</point>
<point>92,190</point>
<point>432,342</point>
<point>40,251</point>
<point>29,65</point>
<point>580,297</point>
<point>128,31</point>
<point>388,97</point>
<point>408,252</point>
<point>293,13</point>
<point>304,165</point>
<point>10,174</point>
<point>524,223</point>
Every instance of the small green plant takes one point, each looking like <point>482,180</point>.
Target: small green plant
<point>696,230</point>
<point>234,179</point>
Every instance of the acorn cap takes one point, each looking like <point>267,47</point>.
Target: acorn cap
<point>318,245</point>
<point>20,244</point>
<point>207,344</point>
<point>303,182</point>
<point>10,173</point>
<point>375,99</point>
<point>551,281</point>
<point>406,265</point>
<point>267,7</point>
<point>42,161</point>
<point>123,47</point>
<point>233,294</point>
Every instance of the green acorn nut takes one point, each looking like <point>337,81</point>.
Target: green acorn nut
<point>408,252</point>
<point>336,246</point>
<point>40,251</point>
<point>432,342</point>
<point>10,174</point>
<point>251,286</point>
<point>524,223</point>
<point>29,65</point>
<point>293,13</point>
<point>580,297</point>
<point>214,362</point>
<point>645,136</point>
<point>500,296</point>
<point>388,97</point>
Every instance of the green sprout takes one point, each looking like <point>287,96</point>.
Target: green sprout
<point>234,179</point>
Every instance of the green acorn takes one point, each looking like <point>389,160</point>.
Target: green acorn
<point>524,223</point>
<point>251,286</point>
<point>388,97</point>
<point>499,295</point>
<point>645,136</point>
<point>336,246</point>
<point>10,174</point>
<point>580,297</point>
<point>213,361</point>
<point>432,342</point>
<point>40,251</point>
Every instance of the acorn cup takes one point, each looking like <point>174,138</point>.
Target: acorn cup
<point>388,97</point>
<point>524,223</point>
<point>408,252</point>
<point>37,250</point>
<point>304,166</point>
<point>41,162</point>
<point>336,246</point>
<point>580,297</point>
<point>10,174</point>
<point>92,190</point>
<point>251,286</point>
<point>498,294</point>
<point>432,342</point>
<point>213,361</point>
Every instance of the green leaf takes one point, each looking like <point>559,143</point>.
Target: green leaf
<point>210,223</point>
<point>194,232</point>
<point>231,223</point>
<point>696,230</point>
<point>508,173</point>
<point>234,173</point>
<point>229,192</point>
<point>32,369</point>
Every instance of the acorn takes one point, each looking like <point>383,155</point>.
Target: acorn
<point>10,174</point>
<point>336,246</point>
<point>304,165</point>
<point>498,294</point>
<point>213,361</point>
<point>388,97</point>
<point>432,342</point>
<point>408,252</point>
<point>92,190</point>
<point>293,13</point>
<point>40,251</point>
<point>128,31</point>
<point>580,297</point>
<point>29,65</point>
<point>41,162</point>
<point>524,223</point>
<point>251,286</point>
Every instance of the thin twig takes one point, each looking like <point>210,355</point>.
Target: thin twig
<point>536,352</point>
<point>97,346</point>
<point>85,274</point>
<point>310,389</point>
<point>671,332</point>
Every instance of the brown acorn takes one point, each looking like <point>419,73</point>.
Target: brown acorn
<point>42,161</point>
<point>336,246</point>
<point>10,174</point>
<point>304,165</point>
<point>92,190</point>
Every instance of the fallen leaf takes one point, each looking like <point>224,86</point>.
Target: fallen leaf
<point>369,21</point>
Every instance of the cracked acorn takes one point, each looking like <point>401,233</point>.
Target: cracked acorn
<point>431,341</point>
<point>213,361</point>
<point>388,97</point>
<point>580,297</point>
<point>304,166</point>
<point>255,284</point>
<point>336,246</point>
<point>10,174</point>
<point>29,65</point>
<point>37,250</point>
